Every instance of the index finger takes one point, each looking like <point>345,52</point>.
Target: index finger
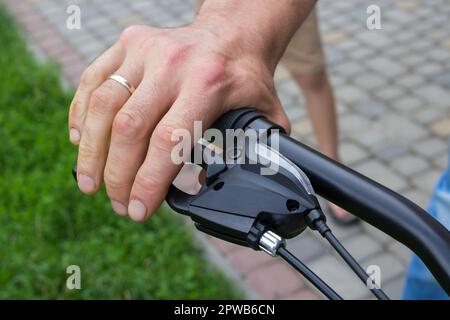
<point>159,170</point>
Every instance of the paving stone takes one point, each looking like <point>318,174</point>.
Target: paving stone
<point>303,295</point>
<point>413,59</point>
<point>391,267</point>
<point>442,79</point>
<point>349,69</point>
<point>421,46</point>
<point>427,180</point>
<point>399,16</point>
<point>362,246</point>
<point>434,95</point>
<point>351,153</point>
<point>400,129</point>
<point>427,115</point>
<point>378,235</point>
<point>441,127</point>
<point>441,161</point>
<point>400,251</point>
<point>334,55</point>
<point>439,54</point>
<point>428,69</point>
<point>289,87</point>
<point>334,36</point>
<point>302,128</point>
<point>382,174</point>
<point>430,147</point>
<point>394,288</point>
<point>410,81</point>
<point>407,5</point>
<point>369,138</point>
<point>409,164</point>
<point>347,45</point>
<point>306,247</point>
<point>407,104</point>
<point>369,81</point>
<point>386,67</point>
<point>445,43</point>
<point>351,123</point>
<point>248,260</point>
<point>397,51</point>
<point>389,151</point>
<point>223,246</point>
<point>378,39</point>
<point>339,276</point>
<point>275,280</point>
<point>389,93</point>
<point>295,114</point>
<point>361,53</point>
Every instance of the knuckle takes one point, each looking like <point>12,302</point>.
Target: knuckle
<point>147,183</point>
<point>130,32</point>
<point>87,151</point>
<point>102,99</point>
<point>90,76</point>
<point>162,138</point>
<point>147,44</point>
<point>113,181</point>
<point>176,53</point>
<point>212,71</point>
<point>130,125</point>
<point>75,110</point>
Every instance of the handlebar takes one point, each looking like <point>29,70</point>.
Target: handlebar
<point>372,202</point>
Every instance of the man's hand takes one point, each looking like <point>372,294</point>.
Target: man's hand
<point>181,75</point>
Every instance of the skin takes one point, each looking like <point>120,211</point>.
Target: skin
<point>224,60</point>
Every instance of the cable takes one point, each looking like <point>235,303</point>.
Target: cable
<point>308,274</point>
<point>325,231</point>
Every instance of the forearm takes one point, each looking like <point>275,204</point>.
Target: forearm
<point>262,26</point>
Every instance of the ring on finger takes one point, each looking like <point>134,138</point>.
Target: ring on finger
<point>124,82</point>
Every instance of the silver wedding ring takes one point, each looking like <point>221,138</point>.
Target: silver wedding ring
<point>124,82</point>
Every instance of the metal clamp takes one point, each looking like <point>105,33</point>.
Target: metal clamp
<point>270,242</point>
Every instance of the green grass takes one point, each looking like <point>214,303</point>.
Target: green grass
<point>46,224</point>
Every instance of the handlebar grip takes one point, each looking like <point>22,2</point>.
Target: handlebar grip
<point>379,206</point>
<point>374,203</point>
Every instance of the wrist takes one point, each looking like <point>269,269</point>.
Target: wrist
<point>241,34</point>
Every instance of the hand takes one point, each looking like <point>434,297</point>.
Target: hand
<point>181,75</point>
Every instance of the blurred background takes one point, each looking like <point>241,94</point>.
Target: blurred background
<point>393,96</point>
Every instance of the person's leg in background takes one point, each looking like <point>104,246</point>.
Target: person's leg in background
<point>305,60</point>
<point>420,283</point>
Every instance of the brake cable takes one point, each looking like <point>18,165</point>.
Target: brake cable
<point>240,205</point>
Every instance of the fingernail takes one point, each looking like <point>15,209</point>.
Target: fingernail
<point>119,208</point>
<point>85,183</point>
<point>74,135</point>
<point>137,210</point>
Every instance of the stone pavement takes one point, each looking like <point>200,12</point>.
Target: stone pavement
<point>393,93</point>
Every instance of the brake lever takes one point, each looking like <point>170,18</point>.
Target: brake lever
<point>239,204</point>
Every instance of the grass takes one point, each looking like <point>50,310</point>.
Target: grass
<point>46,224</point>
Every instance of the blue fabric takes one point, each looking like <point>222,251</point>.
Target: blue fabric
<point>420,283</point>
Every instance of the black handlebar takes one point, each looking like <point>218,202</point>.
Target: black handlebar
<point>379,206</point>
